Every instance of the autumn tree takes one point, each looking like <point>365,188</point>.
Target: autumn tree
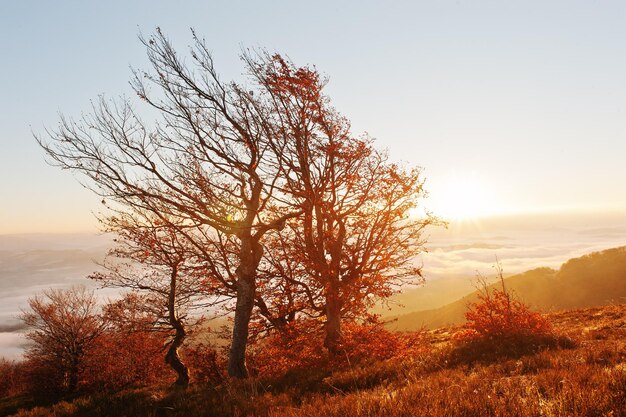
<point>228,166</point>
<point>207,164</point>
<point>152,258</point>
<point>356,241</point>
<point>63,324</point>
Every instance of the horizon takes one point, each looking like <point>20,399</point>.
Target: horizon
<point>455,255</point>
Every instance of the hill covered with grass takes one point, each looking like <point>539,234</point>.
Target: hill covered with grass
<point>566,363</point>
<point>595,279</point>
<point>584,376</point>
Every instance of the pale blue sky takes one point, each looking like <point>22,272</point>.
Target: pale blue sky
<point>525,102</point>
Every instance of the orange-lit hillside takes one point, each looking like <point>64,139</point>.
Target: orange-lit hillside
<point>584,377</point>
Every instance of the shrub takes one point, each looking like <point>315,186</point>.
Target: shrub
<point>497,315</point>
<point>12,378</point>
<point>121,359</point>
<point>500,325</point>
<point>42,379</point>
<point>204,363</point>
<point>300,347</point>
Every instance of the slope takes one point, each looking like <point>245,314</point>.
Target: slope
<point>595,279</point>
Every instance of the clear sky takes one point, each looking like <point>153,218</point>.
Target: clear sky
<point>521,104</point>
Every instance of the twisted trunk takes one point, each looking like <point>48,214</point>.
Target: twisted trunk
<point>171,357</point>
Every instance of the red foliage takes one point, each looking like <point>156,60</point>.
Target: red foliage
<point>204,363</point>
<point>41,378</point>
<point>12,381</point>
<point>299,347</point>
<point>497,315</point>
<point>121,359</point>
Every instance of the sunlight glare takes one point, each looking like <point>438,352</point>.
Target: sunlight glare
<point>463,198</point>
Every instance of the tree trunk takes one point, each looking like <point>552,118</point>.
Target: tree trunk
<point>71,375</point>
<point>333,325</point>
<point>250,256</point>
<point>173,359</point>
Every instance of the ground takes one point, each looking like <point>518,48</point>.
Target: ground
<point>584,376</point>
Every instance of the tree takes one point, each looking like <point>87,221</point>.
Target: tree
<point>228,166</point>
<point>208,165</point>
<point>154,259</point>
<point>356,241</point>
<point>63,325</point>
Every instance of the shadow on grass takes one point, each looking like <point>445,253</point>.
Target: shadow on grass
<point>489,350</point>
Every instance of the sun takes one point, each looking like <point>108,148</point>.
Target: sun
<point>463,198</point>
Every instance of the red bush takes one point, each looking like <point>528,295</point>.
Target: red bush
<point>12,381</point>
<point>42,379</point>
<point>205,365</point>
<point>497,315</point>
<point>300,346</point>
<point>121,359</point>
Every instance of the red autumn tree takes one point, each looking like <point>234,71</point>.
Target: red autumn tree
<point>154,259</point>
<point>356,241</point>
<point>227,166</point>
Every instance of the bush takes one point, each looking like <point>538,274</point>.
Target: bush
<point>42,379</point>
<point>500,325</point>
<point>12,378</point>
<point>300,347</point>
<point>121,359</point>
<point>497,315</point>
<point>204,363</point>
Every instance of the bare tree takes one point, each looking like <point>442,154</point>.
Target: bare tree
<point>63,324</point>
<point>210,164</point>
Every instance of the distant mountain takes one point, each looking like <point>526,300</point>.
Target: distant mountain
<point>433,293</point>
<point>595,279</point>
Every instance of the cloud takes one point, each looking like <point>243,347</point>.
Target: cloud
<point>13,327</point>
<point>464,253</point>
<point>12,345</point>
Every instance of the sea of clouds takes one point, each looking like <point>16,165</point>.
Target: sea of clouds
<point>520,243</point>
<point>30,264</point>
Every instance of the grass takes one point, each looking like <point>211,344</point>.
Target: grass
<point>583,374</point>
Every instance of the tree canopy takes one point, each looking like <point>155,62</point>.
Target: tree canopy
<point>261,187</point>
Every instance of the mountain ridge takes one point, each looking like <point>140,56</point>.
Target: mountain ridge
<point>595,279</point>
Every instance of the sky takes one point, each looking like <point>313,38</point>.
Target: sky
<point>510,107</point>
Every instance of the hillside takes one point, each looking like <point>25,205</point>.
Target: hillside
<point>595,279</point>
<point>585,378</point>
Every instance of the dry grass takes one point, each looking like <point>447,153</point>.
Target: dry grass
<point>587,378</point>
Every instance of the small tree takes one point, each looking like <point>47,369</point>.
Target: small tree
<point>153,259</point>
<point>63,325</point>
